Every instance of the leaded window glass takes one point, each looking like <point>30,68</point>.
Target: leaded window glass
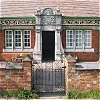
<point>69,38</point>
<point>78,34</point>
<point>78,39</point>
<point>26,39</point>
<point>88,38</point>
<point>8,39</point>
<point>18,39</point>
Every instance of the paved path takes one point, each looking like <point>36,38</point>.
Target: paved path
<point>60,96</point>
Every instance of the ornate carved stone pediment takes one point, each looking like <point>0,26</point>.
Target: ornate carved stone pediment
<point>48,11</point>
<point>48,18</point>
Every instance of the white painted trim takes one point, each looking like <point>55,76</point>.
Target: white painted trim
<point>79,50</point>
<point>18,50</point>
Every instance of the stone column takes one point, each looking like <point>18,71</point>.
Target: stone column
<point>37,49</point>
<point>57,45</point>
<point>99,44</point>
<point>37,46</point>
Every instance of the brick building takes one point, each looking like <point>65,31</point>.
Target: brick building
<point>48,29</point>
<point>74,28</point>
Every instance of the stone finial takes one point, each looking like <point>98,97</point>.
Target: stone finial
<point>69,58</point>
<point>38,11</point>
<point>57,8</point>
<point>58,11</point>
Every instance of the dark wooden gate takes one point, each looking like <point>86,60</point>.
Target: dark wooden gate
<point>49,77</point>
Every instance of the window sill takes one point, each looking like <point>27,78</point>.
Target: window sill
<point>18,50</point>
<point>79,50</point>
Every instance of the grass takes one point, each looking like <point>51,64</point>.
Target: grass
<point>84,95</point>
<point>20,94</point>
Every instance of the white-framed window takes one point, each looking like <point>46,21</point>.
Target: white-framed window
<point>88,39</point>
<point>17,39</point>
<point>27,39</point>
<point>8,38</point>
<point>69,38</point>
<point>79,40</point>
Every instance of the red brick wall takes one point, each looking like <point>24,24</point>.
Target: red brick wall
<point>86,56</point>
<point>1,40</point>
<point>13,79</point>
<point>82,81</point>
<point>32,38</point>
<point>64,39</point>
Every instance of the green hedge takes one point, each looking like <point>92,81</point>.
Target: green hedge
<point>20,94</point>
<point>84,95</point>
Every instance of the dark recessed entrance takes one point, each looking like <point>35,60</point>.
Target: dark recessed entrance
<point>48,45</point>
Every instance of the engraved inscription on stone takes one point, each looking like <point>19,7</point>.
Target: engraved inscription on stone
<point>48,20</point>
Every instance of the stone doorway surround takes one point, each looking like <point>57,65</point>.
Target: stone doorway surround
<point>47,20</point>
<point>99,45</point>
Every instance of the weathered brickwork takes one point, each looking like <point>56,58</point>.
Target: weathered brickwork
<point>32,38</point>
<point>64,39</point>
<point>82,80</point>
<point>2,41</point>
<point>13,79</point>
<point>86,56</point>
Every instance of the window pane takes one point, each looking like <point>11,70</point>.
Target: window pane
<point>88,39</point>
<point>78,38</point>
<point>26,38</point>
<point>8,39</point>
<point>69,39</point>
<point>18,39</point>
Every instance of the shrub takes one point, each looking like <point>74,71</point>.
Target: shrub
<point>20,94</point>
<point>84,95</point>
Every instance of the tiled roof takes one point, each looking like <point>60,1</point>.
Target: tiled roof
<point>70,8</point>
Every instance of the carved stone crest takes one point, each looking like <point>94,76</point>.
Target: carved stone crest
<point>48,17</point>
<point>48,20</point>
<point>48,11</point>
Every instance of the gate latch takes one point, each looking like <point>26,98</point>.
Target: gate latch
<point>64,67</point>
